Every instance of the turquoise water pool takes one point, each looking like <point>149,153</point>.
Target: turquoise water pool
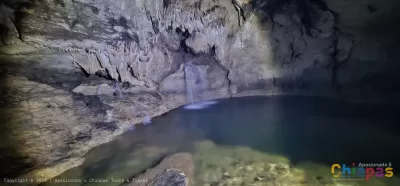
<point>281,140</point>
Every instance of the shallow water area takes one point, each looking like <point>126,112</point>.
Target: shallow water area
<point>280,140</point>
<point>200,105</point>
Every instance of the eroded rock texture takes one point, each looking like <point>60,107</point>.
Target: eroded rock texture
<point>78,72</point>
<point>143,43</point>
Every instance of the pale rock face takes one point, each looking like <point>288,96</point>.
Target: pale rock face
<point>140,42</point>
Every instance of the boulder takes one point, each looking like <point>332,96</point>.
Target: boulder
<point>176,169</point>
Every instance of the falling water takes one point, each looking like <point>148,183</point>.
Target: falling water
<point>98,91</point>
<point>189,81</point>
<point>117,90</point>
<point>146,119</point>
<point>195,80</point>
<point>203,83</point>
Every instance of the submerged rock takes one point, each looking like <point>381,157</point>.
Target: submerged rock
<point>171,177</point>
<point>175,170</point>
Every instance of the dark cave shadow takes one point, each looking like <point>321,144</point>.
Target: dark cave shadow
<point>381,81</point>
<point>327,145</point>
<point>52,72</point>
<point>12,161</point>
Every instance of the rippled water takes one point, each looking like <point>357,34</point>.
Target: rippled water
<point>282,140</point>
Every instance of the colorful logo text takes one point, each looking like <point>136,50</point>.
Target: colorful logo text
<point>361,171</point>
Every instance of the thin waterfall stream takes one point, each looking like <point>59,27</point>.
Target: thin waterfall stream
<point>196,84</point>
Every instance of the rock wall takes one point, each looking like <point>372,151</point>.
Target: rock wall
<point>78,72</point>
<point>374,60</point>
<point>144,42</point>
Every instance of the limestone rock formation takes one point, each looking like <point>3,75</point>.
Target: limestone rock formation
<point>78,72</point>
<point>144,42</point>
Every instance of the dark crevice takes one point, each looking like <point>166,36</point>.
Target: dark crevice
<point>212,9</point>
<point>166,3</point>
<point>185,34</point>
<point>109,74</point>
<point>19,16</point>
<point>132,73</point>
<point>125,85</point>
<point>87,74</point>
<point>336,64</point>
<point>305,12</point>
<point>119,79</point>
<point>104,74</point>
<point>238,9</point>
<point>108,126</point>
<point>19,13</point>
<point>121,21</point>
<point>372,8</point>
<point>178,30</point>
<point>4,34</point>
<point>154,24</point>
<point>240,13</point>
<point>95,10</point>
<point>81,137</point>
<point>60,2</point>
<point>124,36</point>
<point>227,71</point>
<point>185,48</point>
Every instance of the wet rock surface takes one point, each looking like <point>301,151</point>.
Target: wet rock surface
<point>176,169</point>
<point>75,73</point>
<point>171,177</point>
<point>225,165</point>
